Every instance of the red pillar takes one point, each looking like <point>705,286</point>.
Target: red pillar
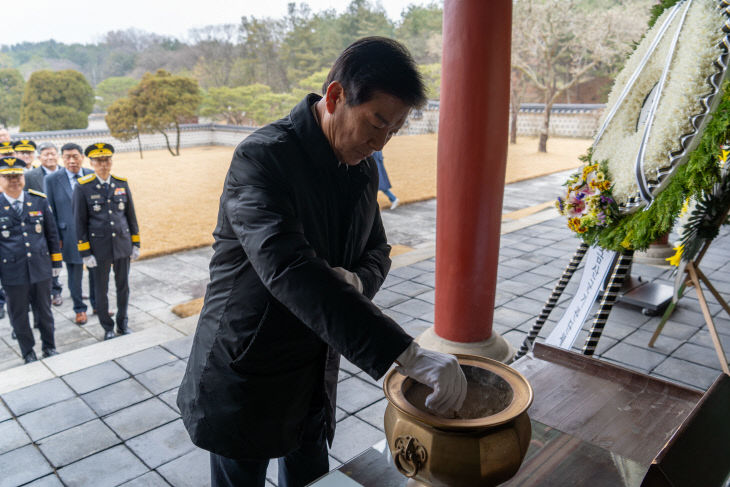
<point>472,155</point>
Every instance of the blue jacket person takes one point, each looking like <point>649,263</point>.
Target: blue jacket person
<point>107,233</point>
<point>29,257</point>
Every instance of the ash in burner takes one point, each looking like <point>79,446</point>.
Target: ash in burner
<point>486,394</point>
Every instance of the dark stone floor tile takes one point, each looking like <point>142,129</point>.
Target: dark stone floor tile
<point>116,396</point>
<point>37,396</point>
<point>55,418</point>
<point>140,418</point>
<point>686,373</point>
<point>150,479</point>
<point>78,442</point>
<point>180,346</point>
<point>190,470</point>
<point>145,360</point>
<point>22,465</point>
<point>95,377</point>
<point>162,445</point>
<point>105,469</point>
<point>163,378</point>
<point>635,357</point>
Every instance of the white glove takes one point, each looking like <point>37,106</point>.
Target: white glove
<point>439,371</point>
<point>135,253</point>
<point>56,271</point>
<point>90,261</point>
<point>350,277</point>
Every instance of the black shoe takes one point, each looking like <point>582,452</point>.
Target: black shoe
<point>2,312</point>
<point>30,357</point>
<point>108,335</point>
<point>13,335</point>
<point>123,331</point>
<point>49,352</point>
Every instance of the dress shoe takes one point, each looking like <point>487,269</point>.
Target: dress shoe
<point>57,300</point>
<point>123,331</point>
<point>30,357</point>
<point>108,335</point>
<point>49,352</point>
<point>2,312</point>
<point>80,318</point>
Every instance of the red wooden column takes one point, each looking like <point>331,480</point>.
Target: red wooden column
<point>472,155</point>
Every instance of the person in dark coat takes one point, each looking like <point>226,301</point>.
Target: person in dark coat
<point>29,258</point>
<point>107,233</point>
<point>34,179</point>
<point>384,181</point>
<point>59,188</point>
<point>300,251</point>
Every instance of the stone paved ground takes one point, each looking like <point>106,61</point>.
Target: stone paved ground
<point>116,423</point>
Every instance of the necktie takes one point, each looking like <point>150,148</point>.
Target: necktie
<point>76,179</point>
<point>18,207</point>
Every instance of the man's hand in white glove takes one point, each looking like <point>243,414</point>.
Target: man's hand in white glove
<point>90,261</point>
<point>135,253</point>
<point>439,371</point>
<point>350,277</point>
<point>56,271</point>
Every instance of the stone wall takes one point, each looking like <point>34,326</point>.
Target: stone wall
<point>565,121</point>
<point>192,135</point>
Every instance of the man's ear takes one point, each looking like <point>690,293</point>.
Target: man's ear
<point>335,94</point>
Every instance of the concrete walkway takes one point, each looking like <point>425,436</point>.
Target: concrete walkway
<point>104,414</point>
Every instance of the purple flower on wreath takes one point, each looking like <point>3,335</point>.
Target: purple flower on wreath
<point>607,200</point>
<point>561,204</point>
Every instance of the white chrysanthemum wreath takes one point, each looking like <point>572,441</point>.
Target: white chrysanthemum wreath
<point>655,115</point>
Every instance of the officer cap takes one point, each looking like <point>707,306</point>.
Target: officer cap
<point>11,165</point>
<point>6,148</point>
<point>24,145</point>
<point>101,149</point>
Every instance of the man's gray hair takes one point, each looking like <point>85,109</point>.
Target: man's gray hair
<point>47,145</point>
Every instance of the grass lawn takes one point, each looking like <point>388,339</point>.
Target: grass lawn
<point>176,198</point>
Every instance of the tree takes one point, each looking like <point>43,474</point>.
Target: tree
<point>56,101</point>
<point>112,89</point>
<point>420,30</point>
<point>163,101</point>
<point>260,59</point>
<point>216,53</point>
<point>12,85</point>
<point>558,43</point>
<point>123,121</point>
<point>432,78</point>
<point>234,105</point>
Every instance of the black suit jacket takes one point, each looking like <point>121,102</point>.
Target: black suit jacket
<point>276,315</point>
<point>58,190</point>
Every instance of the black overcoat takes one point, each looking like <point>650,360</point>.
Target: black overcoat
<point>276,316</point>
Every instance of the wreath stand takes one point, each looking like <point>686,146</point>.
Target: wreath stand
<point>618,274</point>
<point>691,276</point>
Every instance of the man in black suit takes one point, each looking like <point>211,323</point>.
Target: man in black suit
<point>59,189</point>
<point>107,233</point>
<point>34,180</point>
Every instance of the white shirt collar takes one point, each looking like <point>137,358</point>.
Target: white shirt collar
<point>12,200</point>
<point>107,180</point>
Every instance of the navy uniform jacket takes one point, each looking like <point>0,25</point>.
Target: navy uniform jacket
<point>106,225</point>
<point>29,243</point>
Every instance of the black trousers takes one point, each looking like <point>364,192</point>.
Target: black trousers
<point>296,469</point>
<point>75,273</point>
<point>101,286</point>
<point>39,297</point>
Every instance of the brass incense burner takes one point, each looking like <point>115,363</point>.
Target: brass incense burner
<point>482,445</point>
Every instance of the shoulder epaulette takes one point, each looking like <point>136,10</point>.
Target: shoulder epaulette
<point>37,193</point>
<point>119,178</point>
<point>87,178</point>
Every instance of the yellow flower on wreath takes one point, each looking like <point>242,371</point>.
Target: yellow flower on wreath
<point>677,257</point>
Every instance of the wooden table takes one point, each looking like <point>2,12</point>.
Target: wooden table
<point>593,423</point>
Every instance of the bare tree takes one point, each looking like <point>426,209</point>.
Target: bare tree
<point>517,89</point>
<point>559,43</point>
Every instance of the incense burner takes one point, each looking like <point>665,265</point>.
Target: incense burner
<point>483,444</point>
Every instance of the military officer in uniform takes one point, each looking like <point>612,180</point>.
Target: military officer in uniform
<point>6,150</point>
<point>108,234</point>
<point>25,151</point>
<point>29,257</point>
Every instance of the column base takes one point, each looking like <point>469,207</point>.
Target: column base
<point>496,347</point>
